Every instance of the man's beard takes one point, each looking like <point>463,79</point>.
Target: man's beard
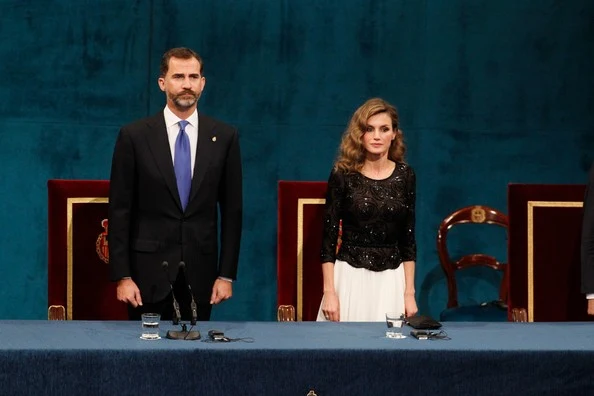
<point>184,100</point>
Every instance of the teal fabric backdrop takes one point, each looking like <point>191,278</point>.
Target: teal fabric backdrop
<point>489,93</point>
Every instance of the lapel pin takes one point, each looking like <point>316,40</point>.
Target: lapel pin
<point>214,138</point>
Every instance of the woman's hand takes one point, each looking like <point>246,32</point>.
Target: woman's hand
<point>410,305</point>
<point>331,306</point>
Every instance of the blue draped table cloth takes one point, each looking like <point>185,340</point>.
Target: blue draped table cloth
<point>294,358</point>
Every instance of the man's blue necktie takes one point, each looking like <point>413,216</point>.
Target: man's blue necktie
<point>183,164</point>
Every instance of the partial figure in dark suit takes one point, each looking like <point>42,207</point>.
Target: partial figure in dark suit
<point>588,243</point>
<point>172,175</point>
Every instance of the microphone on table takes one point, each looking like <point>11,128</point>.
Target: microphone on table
<point>193,306</point>
<point>176,312</point>
<point>184,333</point>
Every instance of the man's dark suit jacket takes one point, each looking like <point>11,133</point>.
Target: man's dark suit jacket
<point>147,225</point>
<point>587,252</point>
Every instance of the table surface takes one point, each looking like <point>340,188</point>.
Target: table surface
<point>465,336</point>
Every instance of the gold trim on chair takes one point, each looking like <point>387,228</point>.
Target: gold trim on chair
<point>531,206</point>
<point>301,202</point>
<point>56,312</point>
<point>69,245</point>
<point>285,313</point>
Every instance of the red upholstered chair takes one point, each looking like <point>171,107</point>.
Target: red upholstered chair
<point>78,273</point>
<point>495,310</point>
<point>299,271</point>
<point>545,228</point>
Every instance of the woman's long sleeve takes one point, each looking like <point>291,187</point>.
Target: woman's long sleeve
<point>408,244</point>
<point>332,213</point>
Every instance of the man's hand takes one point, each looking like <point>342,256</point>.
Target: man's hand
<point>128,292</point>
<point>591,306</point>
<point>221,290</point>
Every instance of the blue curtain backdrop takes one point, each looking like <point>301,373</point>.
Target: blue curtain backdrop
<point>489,93</point>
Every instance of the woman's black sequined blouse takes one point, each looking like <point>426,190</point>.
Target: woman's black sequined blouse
<point>378,219</point>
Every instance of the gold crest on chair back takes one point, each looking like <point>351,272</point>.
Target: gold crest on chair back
<point>495,310</point>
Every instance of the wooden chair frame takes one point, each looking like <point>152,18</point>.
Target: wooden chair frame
<point>476,214</point>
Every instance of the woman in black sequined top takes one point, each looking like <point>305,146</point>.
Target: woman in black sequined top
<point>371,190</point>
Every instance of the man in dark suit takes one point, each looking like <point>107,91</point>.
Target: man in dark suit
<point>588,244</point>
<point>172,175</point>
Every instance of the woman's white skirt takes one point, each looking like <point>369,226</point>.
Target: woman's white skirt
<point>366,296</point>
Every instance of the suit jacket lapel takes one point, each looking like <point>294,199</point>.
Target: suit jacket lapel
<point>159,146</point>
<point>206,132</point>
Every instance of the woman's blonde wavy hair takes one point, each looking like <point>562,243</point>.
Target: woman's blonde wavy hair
<point>351,153</point>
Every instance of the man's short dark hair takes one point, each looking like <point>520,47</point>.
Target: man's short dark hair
<point>180,53</point>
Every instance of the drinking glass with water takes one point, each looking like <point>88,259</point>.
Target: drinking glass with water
<point>150,326</point>
<point>394,321</point>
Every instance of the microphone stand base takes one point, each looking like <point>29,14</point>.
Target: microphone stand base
<point>183,335</point>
